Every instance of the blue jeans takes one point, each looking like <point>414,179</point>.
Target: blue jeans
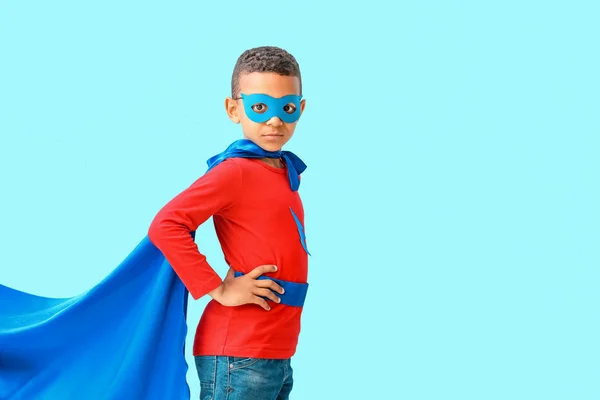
<point>235,378</point>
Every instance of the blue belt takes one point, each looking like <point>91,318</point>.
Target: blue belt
<point>295,293</point>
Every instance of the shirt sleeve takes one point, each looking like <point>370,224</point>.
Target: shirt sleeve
<point>170,231</point>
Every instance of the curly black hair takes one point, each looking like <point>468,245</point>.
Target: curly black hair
<point>264,59</point>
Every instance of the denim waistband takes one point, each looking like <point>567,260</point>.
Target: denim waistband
<point>295,293</point>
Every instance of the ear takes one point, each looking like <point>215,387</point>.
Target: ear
<point>302,105</point>
<point>231,106</point>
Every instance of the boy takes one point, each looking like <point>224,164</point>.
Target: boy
<point>249,331</point>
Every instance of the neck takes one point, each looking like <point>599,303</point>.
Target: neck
<point>277,163</point>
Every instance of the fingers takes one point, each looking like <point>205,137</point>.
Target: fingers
<point>262,302</point>
<point>269,284</point>
<point>267,293</point>
<point>263,269</point>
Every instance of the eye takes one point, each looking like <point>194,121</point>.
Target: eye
<point>289,108</point>
<point>259,108</point>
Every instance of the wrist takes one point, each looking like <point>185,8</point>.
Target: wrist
<point>217,293</point>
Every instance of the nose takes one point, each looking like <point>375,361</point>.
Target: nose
<point>275,121</point>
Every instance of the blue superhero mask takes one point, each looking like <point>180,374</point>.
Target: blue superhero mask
<point>262,107</point>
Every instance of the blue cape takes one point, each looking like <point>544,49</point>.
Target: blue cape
<point>123,339</point>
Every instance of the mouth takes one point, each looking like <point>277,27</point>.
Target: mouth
<point>272,135</point>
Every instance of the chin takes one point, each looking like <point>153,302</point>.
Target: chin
<point>267,144</point>
<point>270,145</point>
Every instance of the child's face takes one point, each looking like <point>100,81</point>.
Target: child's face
<point>273,133</point>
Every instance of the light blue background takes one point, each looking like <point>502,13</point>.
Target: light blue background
<point>451,196</point>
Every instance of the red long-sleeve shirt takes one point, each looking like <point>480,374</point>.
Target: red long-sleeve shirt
<point>250,202</point>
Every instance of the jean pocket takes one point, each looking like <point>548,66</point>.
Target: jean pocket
<point>241,362</point>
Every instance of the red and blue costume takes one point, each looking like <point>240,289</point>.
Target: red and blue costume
<point>125,337</point>
<point>254,212</point>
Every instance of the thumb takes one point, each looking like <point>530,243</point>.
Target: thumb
<point>263,269</point>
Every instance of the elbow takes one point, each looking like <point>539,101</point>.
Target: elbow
<point>156,231</point>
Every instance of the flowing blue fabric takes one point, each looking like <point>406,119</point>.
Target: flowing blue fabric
<point>248,149</point>
<point>123,339</point>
